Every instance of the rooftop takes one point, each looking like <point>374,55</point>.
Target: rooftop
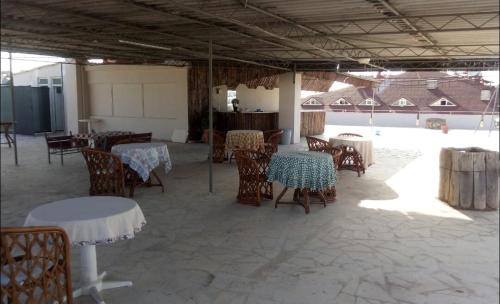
<point>386,239</point>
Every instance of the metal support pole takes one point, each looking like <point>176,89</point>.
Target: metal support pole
<point>14,128</point>
<point>62,94</point>
<point>210,120</point>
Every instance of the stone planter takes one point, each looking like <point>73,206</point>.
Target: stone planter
<point>469,178</point>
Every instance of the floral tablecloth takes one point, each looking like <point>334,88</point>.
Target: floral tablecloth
<point>303,169</point>
<point>143,157</point>
<point>244,139</point>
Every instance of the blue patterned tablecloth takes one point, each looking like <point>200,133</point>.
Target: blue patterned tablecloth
<point>302,169</point>
<point>143,157</point>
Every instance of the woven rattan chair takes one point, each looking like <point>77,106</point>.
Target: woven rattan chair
<point>267,134</point>
<point>351,159</point>
<point>35,265</point>
<point>272,141</point>
<point>219,150</point>
<point>252,169</point>
<point>107,175</point>
<point>319,145</point>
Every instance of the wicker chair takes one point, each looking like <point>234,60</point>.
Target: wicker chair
<point>351,160</point>
<point>107,176</point>
<point>219,144</point>
<point>319,145</point>
<point>267,134</point>
<point>252,169</point>
<point>272,141</point>
<point>35,265</point>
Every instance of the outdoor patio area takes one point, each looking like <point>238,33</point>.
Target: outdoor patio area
<point>386,239</point>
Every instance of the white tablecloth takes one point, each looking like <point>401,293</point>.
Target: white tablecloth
<point>143,157</point>
<point>91,220</point>
<point>362,144</point>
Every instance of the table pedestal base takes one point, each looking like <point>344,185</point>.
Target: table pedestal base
<point>306,203</point>
<point>93,284</point>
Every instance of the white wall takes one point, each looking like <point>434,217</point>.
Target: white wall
<point>455,121</point>
<point>250,99</point>
<point>259,98</point>
<point>220,99</point>
<point>30,78</point>
<point>138,98</point>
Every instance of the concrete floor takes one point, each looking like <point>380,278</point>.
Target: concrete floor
<point>387,239</point>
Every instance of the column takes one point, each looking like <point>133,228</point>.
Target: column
<point>289,103</point>
<point>74,89</point>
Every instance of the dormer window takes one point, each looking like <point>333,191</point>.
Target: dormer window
<point>341,102</point>
<point>432,84</point>
<point>403,102</point>
<point>312,102</point>
<point>485,95</point>
<point>369,102</point>
<point>443,102</point>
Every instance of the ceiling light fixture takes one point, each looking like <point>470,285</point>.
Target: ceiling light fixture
<point>145,45</point>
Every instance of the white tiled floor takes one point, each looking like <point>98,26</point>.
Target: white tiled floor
<point>387,239</point>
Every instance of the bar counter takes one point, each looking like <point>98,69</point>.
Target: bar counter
<point>226,121</point>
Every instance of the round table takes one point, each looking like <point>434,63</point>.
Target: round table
<point>304,171</point>
<point>90,221</point>
<point>143,158</point>
<point>363,145</point>
<point>244,139</point>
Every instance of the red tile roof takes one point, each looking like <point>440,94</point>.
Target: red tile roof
<point>464,92</point>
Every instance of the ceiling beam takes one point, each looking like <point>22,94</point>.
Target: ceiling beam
<point>412,26</point>
<point>372,33</point>
<point>262,30</point>
<point>162,11</point>
<point>300,26</point>
<point>410,17</point>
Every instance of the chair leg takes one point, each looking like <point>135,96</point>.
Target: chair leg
<point>48,154</point>
<point>62,162</point>
<point>159,180</point>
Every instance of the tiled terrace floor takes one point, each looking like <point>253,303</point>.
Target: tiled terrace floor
<point>387,239</point>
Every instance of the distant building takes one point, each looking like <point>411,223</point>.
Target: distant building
<point>410,92</point>
<point>47,76</point>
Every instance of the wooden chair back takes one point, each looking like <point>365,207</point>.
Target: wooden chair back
<point>59,142</point>
<point>35,265</point>
<point>110,141</point>
<point>106,172</point>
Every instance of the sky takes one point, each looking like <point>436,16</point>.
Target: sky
<point>23,62</point>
